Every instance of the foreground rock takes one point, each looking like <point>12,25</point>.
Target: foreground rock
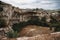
<point>52,36</point>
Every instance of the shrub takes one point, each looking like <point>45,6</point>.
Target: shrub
<point>11,34</point>
<point>18,26</point>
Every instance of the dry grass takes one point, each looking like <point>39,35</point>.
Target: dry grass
<point>33,30</point>
<point>55,36</point>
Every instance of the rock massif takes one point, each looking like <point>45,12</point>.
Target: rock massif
<point>15,15</point>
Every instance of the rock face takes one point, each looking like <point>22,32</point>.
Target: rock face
<point>15,15</point>
<point>8,11</point>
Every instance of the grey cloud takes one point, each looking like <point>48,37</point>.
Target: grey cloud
<point>51,4</point>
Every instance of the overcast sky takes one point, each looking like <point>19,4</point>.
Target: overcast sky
<point>45,4</point>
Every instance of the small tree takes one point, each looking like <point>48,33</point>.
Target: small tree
<point>54,23</point>
<point>13,34</point>
<point>18,26</point>
<point>53,20</point>
<point>43,21</point>
<point>34,21</point>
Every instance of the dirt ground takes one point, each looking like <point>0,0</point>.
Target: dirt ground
<point>33,30</point>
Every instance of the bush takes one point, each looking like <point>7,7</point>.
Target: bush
<point>18,26</point>
<point>34,21</point>
<point>55,23</point>
<point>11,34</point>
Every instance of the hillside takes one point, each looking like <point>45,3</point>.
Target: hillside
<point>28,24</point>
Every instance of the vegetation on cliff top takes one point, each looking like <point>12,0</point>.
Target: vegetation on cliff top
<point>53,23</point>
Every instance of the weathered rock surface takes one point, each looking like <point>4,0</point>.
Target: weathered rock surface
<point>51,36</point>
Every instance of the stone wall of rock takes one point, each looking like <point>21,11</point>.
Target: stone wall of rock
<point>51,36</point>
<point>14,14</point>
